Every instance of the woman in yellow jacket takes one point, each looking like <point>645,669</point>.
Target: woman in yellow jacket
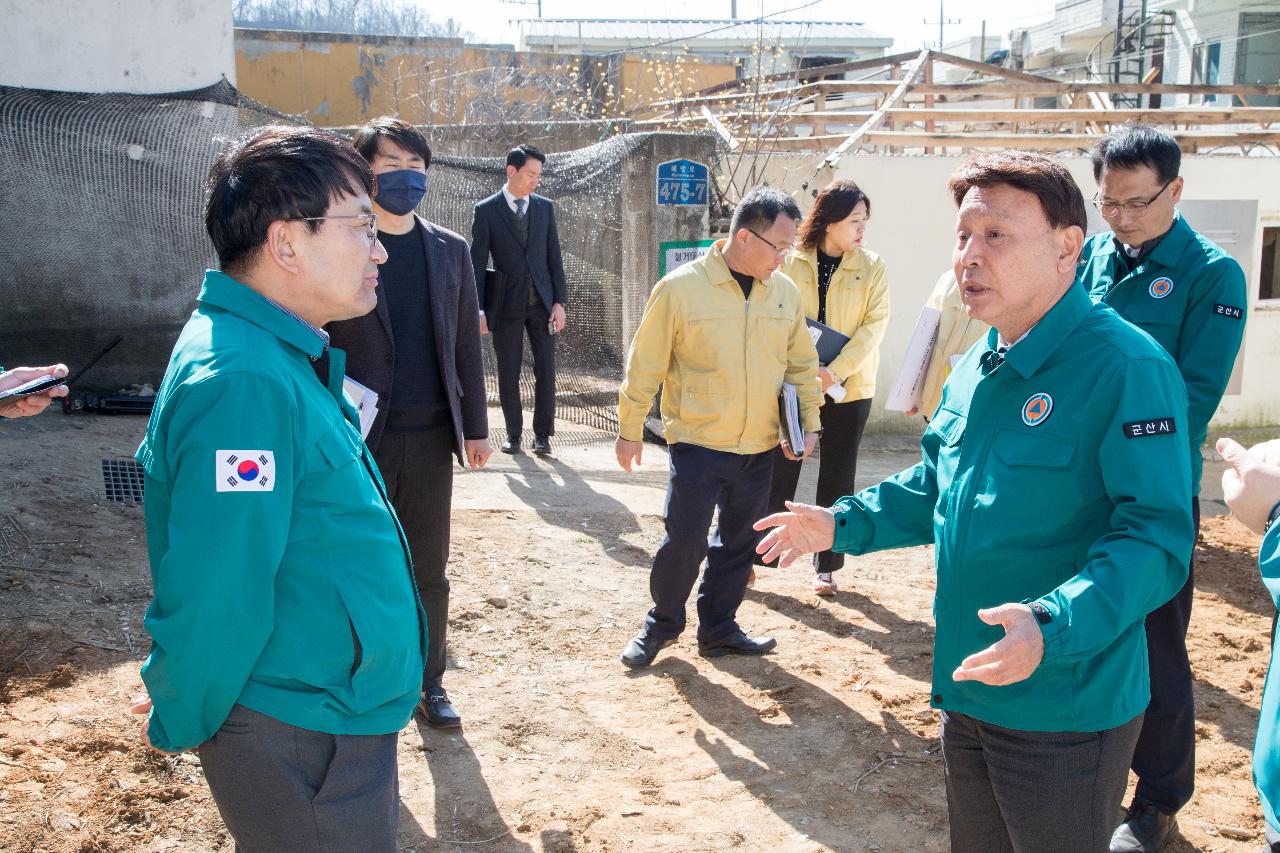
<point>843,286</point>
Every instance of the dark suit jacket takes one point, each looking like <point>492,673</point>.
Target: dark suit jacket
<point>455,319</point>
<point>493,232</point>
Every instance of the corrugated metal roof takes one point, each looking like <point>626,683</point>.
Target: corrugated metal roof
<point>541,30</point>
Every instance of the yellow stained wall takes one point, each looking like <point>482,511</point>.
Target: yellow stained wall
<point>338,80</point>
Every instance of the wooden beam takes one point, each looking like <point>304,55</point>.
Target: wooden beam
<point>855,140</point>
<point>991,70</point>
<point>1013,88</point>
<point>719,127</point>
<point>812,73</point>
<point>1189,140</point>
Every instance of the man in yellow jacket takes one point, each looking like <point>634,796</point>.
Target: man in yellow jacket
<point>720,335</point>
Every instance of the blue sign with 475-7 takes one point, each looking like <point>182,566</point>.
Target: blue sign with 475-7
<point>682,182</point>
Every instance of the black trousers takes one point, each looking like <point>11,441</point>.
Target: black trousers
<point>418,470</point>
<point>842,426</point>
<point>1165,758</point>
<point>508,350</point>
<point>702,480</point>
<point>1013,791</point>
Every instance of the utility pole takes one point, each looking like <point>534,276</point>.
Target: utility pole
<point>943,21</point>
<point>982,42</point>
<point>733,9</point>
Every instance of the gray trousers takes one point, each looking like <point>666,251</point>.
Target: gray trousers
<point>282,789</point>
<point>1012,791</point>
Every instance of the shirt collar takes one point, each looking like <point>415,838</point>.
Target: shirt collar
<point>511,200</point>
<point>716,267</point>
<point>1034,348</point>
<point>1169,250</point>
<point>225,292</point>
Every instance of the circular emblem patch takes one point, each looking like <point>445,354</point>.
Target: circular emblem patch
<point>247,470</point>
<point>1161,287</point>
<point>1037,408</point>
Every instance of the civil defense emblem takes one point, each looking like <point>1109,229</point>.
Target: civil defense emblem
<point>1161,287</point>
<point>1037,408</point>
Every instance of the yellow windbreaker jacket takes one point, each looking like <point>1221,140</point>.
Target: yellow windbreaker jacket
<point>857,306</point>
<point>720,361</point>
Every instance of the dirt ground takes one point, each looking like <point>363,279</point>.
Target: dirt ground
<point>827,744</point>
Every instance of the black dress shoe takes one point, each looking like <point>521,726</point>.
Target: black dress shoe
<point>436,709</point>
<point>737,644</point>
<point>642,649</point>
<point>511,445</point>
<point>542,446</point>
<point>1146,829</point>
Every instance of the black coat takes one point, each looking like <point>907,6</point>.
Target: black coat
<point>493,233</point>
<point>455,319</point>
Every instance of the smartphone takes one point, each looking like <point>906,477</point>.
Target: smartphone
<point>551,327</point>
<point>35,386</point>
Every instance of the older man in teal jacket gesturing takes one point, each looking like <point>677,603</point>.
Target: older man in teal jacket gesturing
<point>1053,485</point>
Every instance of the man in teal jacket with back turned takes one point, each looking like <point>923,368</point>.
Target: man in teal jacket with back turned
<point>1251,486</point>
<point>288,640</point>
<point>1053,485</point>
<point>1188,294</point>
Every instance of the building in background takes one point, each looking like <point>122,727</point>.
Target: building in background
<point>1157,41</point>
<point>134,46</point>
<point>758,47</point>
<point>342,79</point>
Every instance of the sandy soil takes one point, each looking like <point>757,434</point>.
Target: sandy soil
<point>828,744</point>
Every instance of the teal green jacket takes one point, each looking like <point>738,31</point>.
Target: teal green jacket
<point>1058,479</point>
<point>282,580</point>
<point>1266,752</point>
<point>1191,297</point>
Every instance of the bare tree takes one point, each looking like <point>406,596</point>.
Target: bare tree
<point>372,17</point>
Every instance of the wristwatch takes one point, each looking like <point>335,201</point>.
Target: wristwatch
<point>1271,518</point>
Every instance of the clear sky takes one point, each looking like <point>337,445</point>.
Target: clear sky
<point>901,19</point>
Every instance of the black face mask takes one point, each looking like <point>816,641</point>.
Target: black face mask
<point>401,191</point>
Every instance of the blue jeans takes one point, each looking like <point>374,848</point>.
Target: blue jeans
<point>702,480</point>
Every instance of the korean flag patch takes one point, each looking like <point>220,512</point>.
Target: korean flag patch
<point>245,471</point>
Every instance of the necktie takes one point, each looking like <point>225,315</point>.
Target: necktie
<point>520,208</point>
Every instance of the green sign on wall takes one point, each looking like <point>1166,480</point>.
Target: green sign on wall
<point>673,253</point>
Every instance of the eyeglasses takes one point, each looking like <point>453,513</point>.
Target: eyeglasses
<point>368,220</point>
<point>776,250</point>
<point>1137,208</point>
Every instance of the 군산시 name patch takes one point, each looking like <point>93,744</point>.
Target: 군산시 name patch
<point>1145,429</point>
<point>244,470</point>
<point>1228,311</point>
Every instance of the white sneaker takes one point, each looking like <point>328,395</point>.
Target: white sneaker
<point>824,584</point>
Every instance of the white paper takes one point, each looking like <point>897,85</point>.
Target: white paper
<point>364,400</point>
<point>908,389</point>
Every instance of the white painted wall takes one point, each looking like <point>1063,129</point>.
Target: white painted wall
<point>913,228</point>
<point>135,46</point>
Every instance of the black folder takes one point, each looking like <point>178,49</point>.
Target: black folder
<point>828,341</point>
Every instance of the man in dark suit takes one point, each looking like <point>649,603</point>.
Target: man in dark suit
<point>419,350</point>
<point>525,291</point>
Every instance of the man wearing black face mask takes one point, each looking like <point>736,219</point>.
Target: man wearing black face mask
<point>419,350</point>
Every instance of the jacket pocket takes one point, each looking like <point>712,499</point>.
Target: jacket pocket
<point>712,338</point>
<point>1023,449</point>
<point>387,653</point>
<point>772,332</point>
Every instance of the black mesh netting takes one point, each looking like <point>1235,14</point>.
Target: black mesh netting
<point>101,233</point>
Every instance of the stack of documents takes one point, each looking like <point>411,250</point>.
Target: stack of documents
<point>789,426</point>
<point>364,400</point>
<point>908,390</point>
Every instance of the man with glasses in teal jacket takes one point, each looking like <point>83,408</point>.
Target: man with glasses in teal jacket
<point>1187,293</point>
<point>287,636</point>
<point>1053,486</point>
